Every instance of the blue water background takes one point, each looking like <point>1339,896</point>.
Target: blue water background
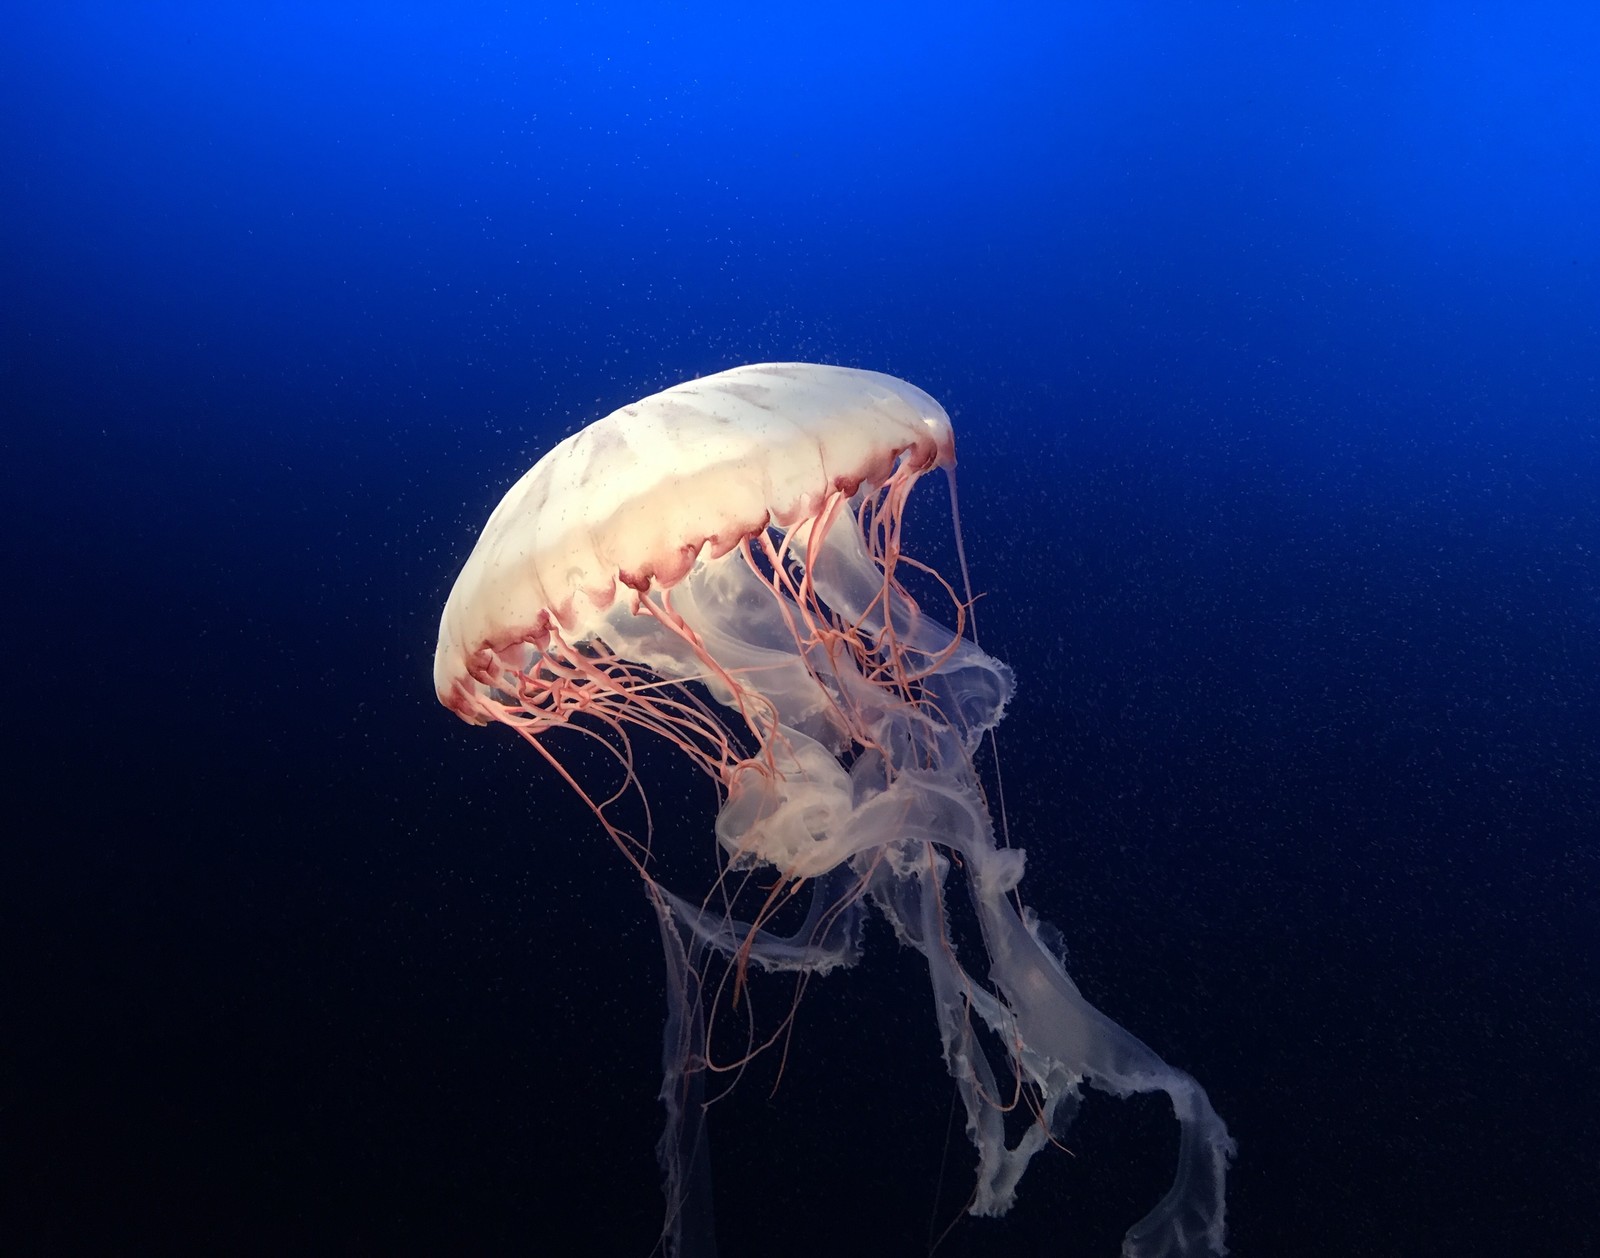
<point>1271,333</point>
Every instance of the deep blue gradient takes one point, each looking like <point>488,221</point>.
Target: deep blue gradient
<point>1271,333</point>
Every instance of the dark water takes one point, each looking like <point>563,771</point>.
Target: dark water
<point>1271,335</point>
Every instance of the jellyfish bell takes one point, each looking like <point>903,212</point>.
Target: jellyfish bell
<point>640,548</point>
<point>720,564</point>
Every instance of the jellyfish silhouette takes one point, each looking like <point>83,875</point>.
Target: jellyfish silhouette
<point>720,564</point>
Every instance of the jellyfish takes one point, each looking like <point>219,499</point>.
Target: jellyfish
<point>721,565</point>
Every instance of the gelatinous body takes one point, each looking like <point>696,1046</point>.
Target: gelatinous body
<point>721,564</point>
